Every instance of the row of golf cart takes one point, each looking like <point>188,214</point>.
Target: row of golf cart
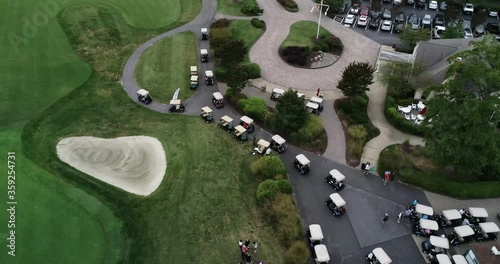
<point>277,93</point>
<point>314,106</point>
<point>437,248</point>
<point>209,77</point>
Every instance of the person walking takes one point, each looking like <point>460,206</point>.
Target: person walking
<point>400,216</point>
<point>255,246</point>
<point>386,217</point>
<point>240,243</point>
<point>387,176</point>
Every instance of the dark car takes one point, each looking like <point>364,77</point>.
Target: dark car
<point>364,11</point>
<point>374,23</point>
<point>421,4</point>
<point>400,17</point>
<point>410,2</point>
<point>439,20</point>
<point>375,14</point>
<point>387,14</point>
<point>398,27</point>
<point>386,1</point>
<point>413,21</point>
<point>494,29</point>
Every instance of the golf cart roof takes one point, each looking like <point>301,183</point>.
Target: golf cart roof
<point>321,253</point>
<point>424,209</point>
<point>312,105</point>
<point>439,242</point>
<point>247,120</point>
<point>143,92</point>
<point>381,256</point>
<point>206,109</point>
<point>209,74</point>
<point>443,259</point>
<point>429,224</point>
<point>218,96</point>
<point>316,233</point>
<point>317,100</point>
<point>263,143</point>
<point>175,102</point>
<point>194,78</point>
<point>302,159</point>
<point>337,175</point>
<point>464,231</point>
<point>478,212</point>
<point>204,30</point>
<point>278,91</point>
<point>337,199</point>
<point>278,139</point>
<point>300,95</point>
<point>193,68</point>
<point>240,129</point>
<point>227,119</point>
<point>489,227</point>
<point>203,51</point>
<point>459,259</point>
<point>452,214</point>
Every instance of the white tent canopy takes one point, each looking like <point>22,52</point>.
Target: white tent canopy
<point>278,139</point>
<point>478,212</point>
<point>302,159</point>
<point>321,253</point>
<point>429,224</point>
<point>337,199</point>
<point>439,242</point>
<point>312,105</point>
<point>247,120</point>
<point>381,256</point>
<point>424,209</point>
<point>459,259</point>
<point>489,227</point>
<point>218,96</point>
<point>316,232</point>
<point>452,214</point>
<point>337,175</point>
<point>143,92</point>
<point>464,231</point>
<point>443,259</point>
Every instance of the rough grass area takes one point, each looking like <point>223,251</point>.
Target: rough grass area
<point>165,67</point>
<point>412,166</point>
<point>244,30</point>
<point>302,34</point>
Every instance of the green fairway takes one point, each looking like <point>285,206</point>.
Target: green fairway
<point>302,34</point>
<point>165,67</point>
<point>229,7</point>
<point>244,30</point>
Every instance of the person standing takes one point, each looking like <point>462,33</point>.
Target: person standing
<point>386,217</point>
<point>387,177</point>
<point>240,243</point>
<point>255,246</point>
<point>400,216</point>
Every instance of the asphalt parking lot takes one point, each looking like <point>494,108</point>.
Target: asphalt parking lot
<point>390,37</point>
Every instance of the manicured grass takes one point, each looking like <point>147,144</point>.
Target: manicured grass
<point>302,34</point>
<point>244,30</point>
<point>229,7</point>
<point>413,167</point>
<point>165,67</point>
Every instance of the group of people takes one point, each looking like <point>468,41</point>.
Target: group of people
<point>367,168</point>
<point>245,251</point>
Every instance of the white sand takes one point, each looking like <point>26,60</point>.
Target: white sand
<point>134,164</point>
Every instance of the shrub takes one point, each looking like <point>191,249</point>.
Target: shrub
<point>252,70</point>
<point>254,107</point>
<point>284,186</point>
<point>355,147</point>
<point>221,23</point>
<point>267,167</point>
<point>289,5</point>
<point>267,190</point>
<point>298,253</point>
<point>230,92</point>
<point>288,221</point>
<point>295,55</point>
<point>357,132</point>
<point>236,98</point>
<point>250,8</point>
<point>310,131</point>
<point>405,101</point>
<point>258,23</point>
<point>221,73</point>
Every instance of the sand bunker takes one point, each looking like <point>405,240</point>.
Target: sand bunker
<point>134,164</point>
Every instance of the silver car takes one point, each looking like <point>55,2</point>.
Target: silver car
<point>386,25</point>
<point>426,21</point>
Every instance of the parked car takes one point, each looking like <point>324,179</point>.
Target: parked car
<point>400,17</point>
<point>494,29</point>
<point>387,14</point>
<point>433,5</point>
<point>466,23</point>
<point>413,20</point>
<point>374,23</point>
<point>492,12</point>
<point>397,2</point>
<point>386,1</point>
<point>362,21</point>
<point>354,10</point>
<point>468,33</point>
<point>426,21</point>
<point>421,4</point>
<point>364,11</point>
<point>443,6</point>
<point>468,9</point>
<point>410,2</point>
<point>375,14</point>
<point>398,27</point>
<point>386,25</point>
<point>349,19</point>
<point>439,20</point>
<point>479,31</point>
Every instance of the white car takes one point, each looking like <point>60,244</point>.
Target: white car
<point>397,2</point>
<point>492,13</point>
<point>349,19</point>
<point>386,25</point>
<point>433,5</point>
<point>426,21</point>
<point>468,33</point>
<point>362,21</point>
<point>468,9</point>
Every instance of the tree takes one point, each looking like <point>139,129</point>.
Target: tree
<point>230,51</point>
<point>255,107</point>
<point>412,37</point>
<point>397,77</point>
<point>236,78</point>
<point>356,78</point>
<point>453,31</point>
<point>291,113</point>
<point>335,5</point>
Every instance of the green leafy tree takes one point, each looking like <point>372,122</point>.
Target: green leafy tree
<point>291,113</point>
<point>230,51</point>
<point>453,31</point>
<point>412,37</point>
<point>397,77</point>
<point>236,78</point>
<point>255,107</point>
<point>356,78</point>
<point>335,5</point>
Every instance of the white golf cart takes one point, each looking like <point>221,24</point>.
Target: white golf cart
<point>461,234</point>
<point>193,70</point>
<point>301,96</point>
<point>425,227</point>
<point>240,133</point>
<point>226,123</point>
<point>143,97</point>
<point>321,255</point>
<point>336,204</point>
<point>176,106</point>
<point>440,259</point>
<point>194,82</point>
<point>486,231</point>
<point>218,100</point>
<point>335,179</point>
<point>459,259</point>
<point>262,148</point>
<point>435,245</point>
<point>209,77</point>
<point>315,235</point>
<point>277,93</point>
<point>247,123</point>
<point>378,256</point>
<point>477,215</point>
<point>204,33</point>
<point>312,108</point>
<point>278,143</point>
<point>302,164</point>
<point>204,55</point>
<point>318,101</point>
<point>421,211</point>
<point>207,114</point>
<point>451,217</point>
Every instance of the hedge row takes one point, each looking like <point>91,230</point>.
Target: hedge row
<point>251,8</point>
<point>289,5</point>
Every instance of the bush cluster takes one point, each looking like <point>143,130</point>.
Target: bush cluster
<point>296,55</point>
<point>221,23</point>
<point>298,253</point>
<point>258,23</point>
<point>328,43</point>
<point>289,5</point>
<point>310,132</point>
<point>268,167</point>
<point>252,69</point>
<point>254,107</point>
<point>397,120</point>
<point>250,8</point>
<point>269,189</point>
<point>221,73</point>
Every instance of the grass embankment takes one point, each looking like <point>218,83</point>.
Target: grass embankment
<point>165,67</point>
<point>206,202</point>
<point>412,166</point>
<point>244,30</point>
<point>302,34</point>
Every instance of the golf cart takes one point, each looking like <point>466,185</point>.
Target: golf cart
<point>315,235</point>
<point>204,55</point>
<point>209,77</point>
<point>277,93</point>
<point>421,211</point>
<point>435,245</point>
<point>240,133</point>
<point>321,255</point>
<point>176,106</point>
<point>336,204</point>
<point>313,108</point>
<point>486,231</point>
<point>247,123</point>
<point>477,215</point>
<point>143,97</point>
<point>336,180</point>
<point>207,114</point>
<point>459,259</point>
<point>226,123</point>
<point>204,33</point>
<point>378,256</point>
<point>262,148</point>
<point>218,100</point>
<point>302,164</point>
<point>278,143</point>
<point>451,217</point>
<point>318,101</point>
<point>461,234</point>
<point>440,259</point>
<point>425,227</point>
<point>193,70</point>
<point>194,82</point>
